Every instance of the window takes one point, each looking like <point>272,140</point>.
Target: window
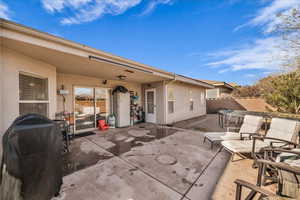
<point>33,94</point>
<point>202,98</point>
<point>150,102</point>
<point>191,105</point>
<point>191,100</point>
<point>170,107</point>
<point>171,101</point>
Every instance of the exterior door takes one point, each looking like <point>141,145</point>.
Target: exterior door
<point>90,104</point>
<point>84,108</point>
<point>150,100</point>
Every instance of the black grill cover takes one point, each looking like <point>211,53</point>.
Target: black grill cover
<point>32,149</point>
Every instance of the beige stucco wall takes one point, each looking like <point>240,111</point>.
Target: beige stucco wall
<point>1,92</point>
<point>182,101</point>
<point>12,63</point>
<point>70,81</point>
<point>212,93</point>
<point>160,100</point>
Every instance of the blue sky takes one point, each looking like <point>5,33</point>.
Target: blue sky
<point>226,40</point>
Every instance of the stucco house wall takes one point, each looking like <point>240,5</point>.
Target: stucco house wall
<point>69,81</point>
<point>183,93</point>
<point>212,93</point>
<point>218,92</point>
<point>12,63</point>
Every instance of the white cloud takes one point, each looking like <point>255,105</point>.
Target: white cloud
<point>153,4</point>
<point>58,5</point>
<point>90,10</point>
<point>268,16</point>
<point>268,54</point>
<point>271,52</point>
<point>4,11</point>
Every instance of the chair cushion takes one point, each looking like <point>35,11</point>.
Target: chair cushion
<point>251,124</point>
<point>231,136</point>
<point>284,129</point>
<point>243,146</point>
<point>222,136</point>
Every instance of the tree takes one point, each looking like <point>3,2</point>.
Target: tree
<point>281,91</point>
<point>285,93</point>
<point>247,91</point>
<point>289,27</point>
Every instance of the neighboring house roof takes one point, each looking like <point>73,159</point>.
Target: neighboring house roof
<point>234,84</point>
<point>12,31</point>
<point>255,104</point>
<point>180,77</point>
<point>218,83</point>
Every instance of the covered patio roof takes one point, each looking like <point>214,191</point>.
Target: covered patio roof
<point>73,58</point>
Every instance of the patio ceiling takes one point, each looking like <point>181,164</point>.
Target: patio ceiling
<point>84,64</point>
<point>74,58</point>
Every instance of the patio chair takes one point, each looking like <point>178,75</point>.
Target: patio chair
<point>268,175</point>
<point>265,194</point>
<point>282,132</point>
<point>251,124</point>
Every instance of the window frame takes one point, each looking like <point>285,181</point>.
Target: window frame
<point>191,105</point>
<point>47,102</point>
<point>191,100</point>
<point>173,100</point>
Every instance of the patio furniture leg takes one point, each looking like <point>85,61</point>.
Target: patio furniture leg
<point>251,195</point>
<point>240,155</point>
<point>238,193</point>
<point>232,157</point>
<point>260,174</point>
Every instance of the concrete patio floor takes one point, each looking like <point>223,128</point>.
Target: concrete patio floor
<point>146,162</point>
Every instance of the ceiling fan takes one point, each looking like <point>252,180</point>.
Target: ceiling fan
<point>121,77</point>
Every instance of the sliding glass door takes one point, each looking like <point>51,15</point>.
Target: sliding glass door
<point>90,104</point>
<point>84,108</point>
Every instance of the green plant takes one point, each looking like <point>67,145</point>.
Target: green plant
<point>285,92</point>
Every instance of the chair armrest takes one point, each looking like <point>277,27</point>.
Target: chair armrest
<point>277,140</point>
<point>253,187</point>
<point>248,134</point>
<point>281,150</point>
<point>280,165</point>
<point>253,134</point>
